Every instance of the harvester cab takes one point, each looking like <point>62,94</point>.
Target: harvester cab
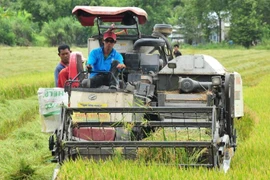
<point>181,109</point>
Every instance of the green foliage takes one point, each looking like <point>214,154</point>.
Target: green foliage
<point>197,20</point>
<point>6,4</point>
<point>265,39</point>
<point>187,22</point>
<point>245,26</point>
<point>220,8</point>
<point>81,34</point>
<point>152,7</point>
<point>264,8</point>
<point>65,30</point>
<point>17,28</point>
<point>48,10</point>
<point>39,40</point>
<point>24,29</point>
<point>7,36</point>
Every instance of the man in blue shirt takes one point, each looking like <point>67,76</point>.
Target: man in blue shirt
<point>105,58</point>
<point>64,54</point>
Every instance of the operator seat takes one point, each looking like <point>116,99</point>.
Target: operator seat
<point>76,67</point>
<point>148,42</point>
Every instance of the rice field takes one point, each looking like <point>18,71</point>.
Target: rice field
<point>24,150</point>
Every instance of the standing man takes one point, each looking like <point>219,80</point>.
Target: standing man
<point>105,58</point>
<point>176,51</point>
<point>64,54</point>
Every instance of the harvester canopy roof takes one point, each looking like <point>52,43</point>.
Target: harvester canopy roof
<point>87,14</point>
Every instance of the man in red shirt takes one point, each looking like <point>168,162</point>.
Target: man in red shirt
<point>64,54</point>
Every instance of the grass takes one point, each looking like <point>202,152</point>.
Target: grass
<point>25,69</point>
<point>24,150</point>
<point>17,61</point>
<point>252,64</point>
<point>15,113</point>
<point>174,155</point>
<point>256,160</point>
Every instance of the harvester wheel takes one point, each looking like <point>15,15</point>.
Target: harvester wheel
<point>217,160</point>
<point>214,151</point>
<point>229,124</point>
<point>62,136</point>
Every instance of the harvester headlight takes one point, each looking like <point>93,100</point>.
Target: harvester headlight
<point>216,80</point>
<point>172,65</point>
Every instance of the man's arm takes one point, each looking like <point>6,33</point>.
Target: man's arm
<point>91,58</point>
<point>92,61</point>
<point>56,72</point>
<point>121,64</point>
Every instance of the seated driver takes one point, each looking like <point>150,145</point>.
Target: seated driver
<point>107,59</point>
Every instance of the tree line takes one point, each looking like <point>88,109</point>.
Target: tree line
<point>50,22</point>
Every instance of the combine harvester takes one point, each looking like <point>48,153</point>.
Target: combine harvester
<point>185,105</point>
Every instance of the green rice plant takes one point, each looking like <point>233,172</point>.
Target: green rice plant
<point>174,155</point>
<point>24,86</point>
<point>25,152</point>
<point>223,45</point>
<point>17,61</point>
<point>251,160</point>
<point>251,155</point>
<point>25,171</point>
<point>246,124</point>
<point>15,113</point>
